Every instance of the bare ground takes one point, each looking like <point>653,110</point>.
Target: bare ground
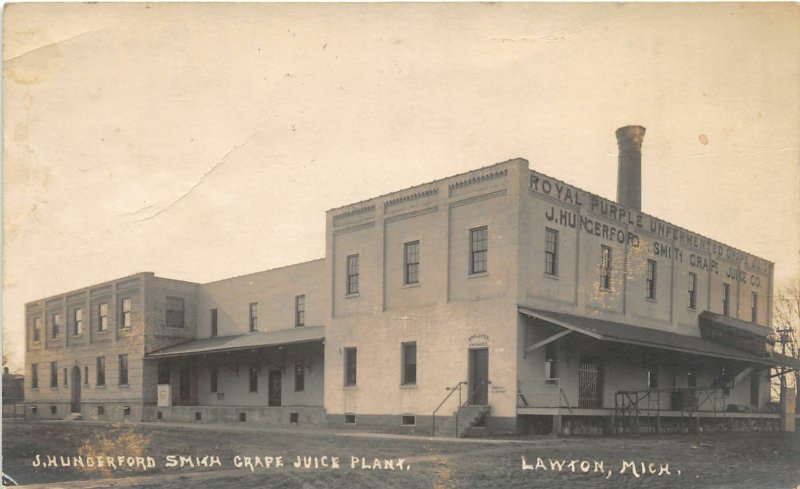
<point>722,460</point>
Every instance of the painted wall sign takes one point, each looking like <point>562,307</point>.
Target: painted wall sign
<point>479,341</point>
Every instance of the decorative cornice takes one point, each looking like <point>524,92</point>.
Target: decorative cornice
<point>477,179</point>
<point>353,213</point>
<point>409,197</point>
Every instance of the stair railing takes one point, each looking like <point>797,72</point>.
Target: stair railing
<point>473,391</point>
<point>451,390</point>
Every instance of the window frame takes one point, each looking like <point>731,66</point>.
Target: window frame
<point>551,252</point>
<point>299,380</point>
<point>102,317</point>
<point>122,364</point>
<point>411,263</point>
<point>171,314</point>
<point>77,321</point>
<point>100,373</point>
<point>214,323</point>
<point>125,313</point>
<point>252,322</point>
<point>405,367</point>
<point>34,375</point>
<point>754,307</point>
<point>300,310</point>
<point>353,274</point>
<point>53,375</point>
<point>726,299</point>
<point>479,250</point>
<point>605,267</point>
<point>252,380</point>
<point>692,289</point>
<point>213,379</point>
<point>650,280</point>
<point>350,362</point>
<point>55,326</point>
<point>36,329</point>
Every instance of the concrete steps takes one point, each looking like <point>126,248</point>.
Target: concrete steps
<point>73,417</point>
<point>470,422</point>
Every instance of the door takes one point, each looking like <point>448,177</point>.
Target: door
<point>274,388</point>
<point>75,398</point>
<point>478,380</point>
<point>590,384</point>
<point>185,384</point>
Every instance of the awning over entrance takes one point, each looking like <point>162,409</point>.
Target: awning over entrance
<point>258,339</point>
<point>636,335</point>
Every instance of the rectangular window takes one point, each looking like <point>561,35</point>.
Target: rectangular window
<point>299,377</point>
<point>411,263</point>
<point>605,267</point>
<point>479,250</point>
<point>85,375</point>
<point>300,310</point>
<point>253,378</point>
<point>102,317</point>
<point>101,371</point>
<point>726,299</point>
<point>125,313</point>
<point>652,378</point>
<point>214,379</point>
<point>34,376</point>
<point>175,316</point>
<point>123,370</point>
<point>53,374</point>
<point>550,361</point>
<point>550,252</point>
<point>65,378</point>
<point>650,283</point>
<point>254,316</point>
<point>350,361</point>
<point>55,320</point>
<point>409,366</point>
<point>352,274</point>
<point>36,330</point>
<point>214,327</point>
<point>754,307</point>
<point>692,290</point>
<point>755,389</point>
<point>77,321</point>
<point>163,372</point>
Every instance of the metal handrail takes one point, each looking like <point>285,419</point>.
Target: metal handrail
<point>473,391</point>
<point>456,387</point>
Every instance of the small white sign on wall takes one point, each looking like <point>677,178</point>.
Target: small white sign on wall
<point>164,395</point>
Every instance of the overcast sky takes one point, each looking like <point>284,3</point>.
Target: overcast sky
<point>206,141</point>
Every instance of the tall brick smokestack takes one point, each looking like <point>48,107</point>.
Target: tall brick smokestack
<point>629,175</point>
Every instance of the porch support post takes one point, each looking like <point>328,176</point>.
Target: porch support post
<point>557,425</point>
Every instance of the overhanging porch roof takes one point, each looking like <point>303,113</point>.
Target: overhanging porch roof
<point>247,341</point>
<point>665,340</point>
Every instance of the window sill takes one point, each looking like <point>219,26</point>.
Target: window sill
<point>478,275</point>
<point>53,388</point>
<point>102,331</point>
<point>351,296</point>
<point>411,285</point>
<point>124,386</point>
<point>35,389</point>
<point>100,387</point>
<point>605,289</point>
<point>350,387</point>
<point>551,277</point>
<point>647,299</point>
<point>125,329</point>
<point>182,328</point>
<point>692,309</point>
<point>408,386</point>
<point>299,325</point>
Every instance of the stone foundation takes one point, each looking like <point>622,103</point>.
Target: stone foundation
<point>284,415</point>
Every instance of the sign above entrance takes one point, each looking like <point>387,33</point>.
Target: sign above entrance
<point>479,341</point>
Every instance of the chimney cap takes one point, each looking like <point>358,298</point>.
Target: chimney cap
<point>631,134</point>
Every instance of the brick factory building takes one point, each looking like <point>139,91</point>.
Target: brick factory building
<point>499,300</point>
